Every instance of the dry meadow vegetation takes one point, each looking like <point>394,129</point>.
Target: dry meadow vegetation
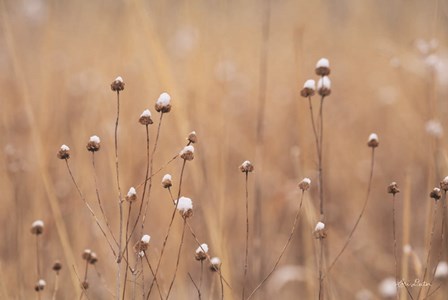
<point>234,70</point>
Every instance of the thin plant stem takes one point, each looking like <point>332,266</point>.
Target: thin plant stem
<point>372,164</point>
<point>395,245</point>
<point>84,291</point>
<point>155,278</point>
<point>313,123</point>
<point>158,170</point>
<point>247,240</point>
<point>222,287</point>
<point>171,222</point>
<point>178,259</point>
<point>89,207</point>
<point>321,261</point>
<point>56,286</point>
<point>202,272</point>
<point>197,288</point>
<point>120,202</point>
<point>283,249</point>
<point>127,252</point>
<point>429,248</point>
<point>37,264</point>
<point>99,199</point>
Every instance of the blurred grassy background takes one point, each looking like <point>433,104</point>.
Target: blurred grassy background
<point>58,58</point>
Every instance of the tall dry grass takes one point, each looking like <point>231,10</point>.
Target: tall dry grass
<point>57,60</point>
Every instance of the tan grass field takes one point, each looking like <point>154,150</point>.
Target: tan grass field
<point>220,61</point>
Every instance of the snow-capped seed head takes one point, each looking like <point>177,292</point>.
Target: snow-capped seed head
<point>323,67</point>
<point>185,207</point>
<point>64,152</point>
<point>434,128</point>
<point>141,253</point>
<point>86,254</point>
<point>441,270</point>
<point>388,288</point>
<point>215,264</point>
<point>444,184</point>
<point>145,117</point>
<point>305,184</point>
<point>373,140</point>
<point>435,194</point>
<point>57,266</point>
<point>85,285</point>
<point>393,188</point>
<point>145,239</point>
<point>132,195</point>
<point>94,144</point>
<point>324,86</point>
<point>309,88</point>
<point>192,137</point>
<point>247,167</point>
<point>167,181</point>
<point>187,152</point>
<point>163,103</point>
<point>117,85</point>
<point>37,227</point>
<point>319,231</point>
<point>407,249</point>
<point>201,252</point>
<point>40,285</point>
<point>93,258</point>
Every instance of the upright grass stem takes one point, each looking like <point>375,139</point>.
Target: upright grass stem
<point>177,259</point>
<point>247,240</point>
<point>395,247</point>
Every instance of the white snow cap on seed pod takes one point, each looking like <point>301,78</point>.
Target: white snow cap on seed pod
<point>132,192</point>
<point>204,247</point>
<point>146,113</point>
<point>185,204</point>
<point>434,128</point>
<point>65,148</point>
<point>323,62</point>
<point>187,149</point>
<point>215,261</point>
<point>119,79</point>
<point>388,287</point>
<point>310,84</point>
<point>305,184</point>
<point>95,139</point>
<point>145,239</point>
<point>324,82</point>
<point>319,226</point>
<point>164,99</point>
<point>442,270</point>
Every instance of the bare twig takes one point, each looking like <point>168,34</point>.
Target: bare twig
<point>178,259</point>
<point>247,239</point>
<point>197,288</point>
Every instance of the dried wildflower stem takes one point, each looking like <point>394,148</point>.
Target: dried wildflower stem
<point>395,246</point>
<point>37,264</point>
<point>429,247</point>
<point>442,239</point>
<point>151,165</point>
<point>120,201</point>
<point>178,259</point>
<point>171,222</point>
<point>197,287</point>
<point>202,273</point>
<point>283,249</point>
<point>361,214</point>
<point>222,287</point>
<point>158,170</point>
<point>247,239</point>
<point>84,292</point>
<point>56,286</point>
<point>99,199</point>
<point>155,278</point>
<point>313,123</point>
<point>126,251</point>
<point>89,207</point>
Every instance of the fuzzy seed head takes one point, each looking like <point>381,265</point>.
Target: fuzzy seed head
<point>167,181</point>
<point>185,207</point>
<point>441,270</point>
<point>117,85</point>
<point>215,264</point>
<point>187,153</point>
<point>145,117</point>
<point>192,137</point>
<point>309,88</point>
<point>37,227</point>
<point>93,258</point>
<point>94,144</point>
<point>145,239</point>
<point>373,140</point>
<point>444,184</point>
<point>142,245</point>
<point>324,86</point>
<point>319,231</point>
<point>40,285</point>
<point>436,194</point>
<point>57,266</point>
<point>85,285</point>
<point>64,152</point>
<point>132,195</point>
<point>305,184</point>
<point>393,188</point>
<point>86,254</point>
<point>201,252</point>
<point>163,103</point>
<point>246,167</point>
<point>407,249</point>
<point>323,67</point>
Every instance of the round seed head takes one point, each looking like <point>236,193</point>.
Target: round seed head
<point>246,167</point>
<point>373,140</point>
<point>320,231</point>
<point>444,184</point>
<point>93,258</point>
<point>163,103</point>
<point>309,88</point>
<point>441,270</point>
<point>305,184</point>
<point>132,195</point>
<point>86,254</point>
<point>187,153</point>
<point>185,207</point>
<point>215,264</point>
<point>393,188</point>
<point>85,285</point>
<point>117,85</point>
<point>40,285</point>
<point>57,266</point>
<point>201,252</point>
<point>192,137</point>
<point>37,227</point>
<point>435,194</point>
<point>166,181</point>
<point>324,86</point>
<point>64,152</point>
<point>94,144</point>
<point>145,118</point>
<point>323,67</point>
